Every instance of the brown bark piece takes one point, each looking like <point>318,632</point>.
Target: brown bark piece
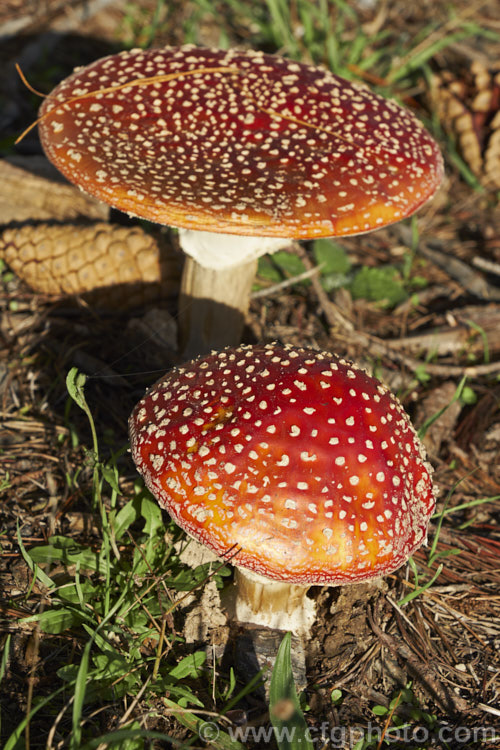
<point>441,431</point>
<point>473,331</point>
<point>109,265</point>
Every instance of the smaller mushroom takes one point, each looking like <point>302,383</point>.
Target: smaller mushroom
<point>295,463</point>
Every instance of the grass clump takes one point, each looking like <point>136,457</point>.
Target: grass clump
<point>113,599</point>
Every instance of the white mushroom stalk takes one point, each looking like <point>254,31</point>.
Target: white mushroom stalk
<point>220,252</point>
<point>273,604</point>
<point>219,272</point>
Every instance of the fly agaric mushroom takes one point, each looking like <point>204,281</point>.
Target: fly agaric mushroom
<point>223,143</point>
<point>296,462</point>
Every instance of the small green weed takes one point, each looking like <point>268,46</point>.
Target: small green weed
<point>334,262</point>
<point>402,713</point>
<point>435,555</point>
<point>5,482</point>
<point>381,284</point>
<point>386,285</point>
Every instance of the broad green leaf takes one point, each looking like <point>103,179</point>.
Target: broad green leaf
<point>381,284</point>
<point>281,265</point>
<point>125,517</point>
<point>75,383</point>
<point>98,639</point>
<point>70,593</point>
<point>189,666</point>
<point>110,664</point>
<point>151,512</point>
<point>469,396</point>
<point>289,263</point>
<point>187,578</point>
<point>267,270</point>
<point>336,697</point>
<point>184,696</point>
<point>69,554</point>
<point>331,256</point>
<point>110,474</point>
<point>55,620</point>
<point>68,673</point>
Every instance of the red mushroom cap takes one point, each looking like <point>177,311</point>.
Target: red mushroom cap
<point>238,142</point>
<point>303,461</point>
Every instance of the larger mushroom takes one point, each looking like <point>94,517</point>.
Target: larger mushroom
<point>298,464</point>
<point>223,143</point>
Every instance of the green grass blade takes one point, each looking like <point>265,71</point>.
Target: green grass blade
<point>290,728</point>
<point>37,572</point>
<point>5,657</point>
<point>13,741</point>
<point>467,505</point>
<point>417,592</point>
<point>256,680</point>
<point>418,58</point>
<point>80,689</point>
<point>281,26</point>
<point>434,417</point>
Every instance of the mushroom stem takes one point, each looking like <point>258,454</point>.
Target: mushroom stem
<point>260,610</point>
<point>215,288</point>
<point>213,304</point>
<point>275,604</point>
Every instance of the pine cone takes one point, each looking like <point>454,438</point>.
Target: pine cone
<point>469,108</point>
<point>108,265</point>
